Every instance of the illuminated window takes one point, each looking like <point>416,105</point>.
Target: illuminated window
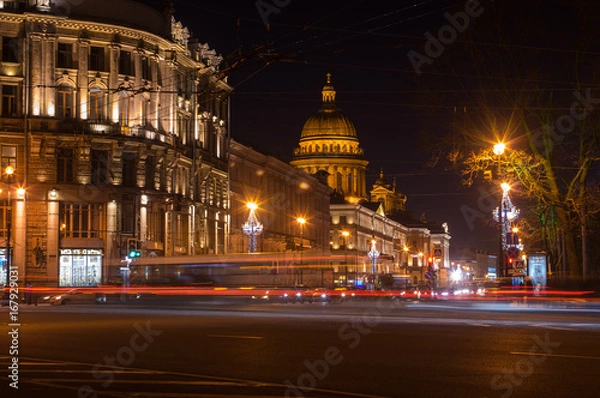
<point>156,221</point>
<point>3,219</point>
<point>9,156</point>
<point>80,267</point>
<point>80,220</point>
<point>96,107</point>
<point>65,104</point>
<point>125,103</point>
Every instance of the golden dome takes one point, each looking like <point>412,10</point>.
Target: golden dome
<point>328,125</point>
<point>328,122</point>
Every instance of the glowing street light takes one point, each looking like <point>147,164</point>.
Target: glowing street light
<point>499,149</point>
<point>9,172</point>
<point>252,227</point>
<point>345,234</point>
<point>301,221</point>
<point>373,255</point>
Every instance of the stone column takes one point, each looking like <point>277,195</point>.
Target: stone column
<point>36,74</point>
<point>113,83</point>
<point>48,73</point>
<point>53,233</point>
<point>82,78</point>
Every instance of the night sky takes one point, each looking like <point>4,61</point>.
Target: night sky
<point>400,115</point>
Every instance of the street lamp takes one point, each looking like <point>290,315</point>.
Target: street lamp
<point>301,221</point>
<point>373,255</point>
<point>9,172</point>
<point>345,234</point>
<point>499,151</point>
<point>252,227</point>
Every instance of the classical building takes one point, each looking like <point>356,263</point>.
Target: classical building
<point>388,195</point>
<point>115,124</point>
<point>329,143</point>
<point>298,253</point>
<point>362,225</point>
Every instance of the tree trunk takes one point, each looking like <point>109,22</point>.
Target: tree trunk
<point>584,254</point>
<point>572,267</point>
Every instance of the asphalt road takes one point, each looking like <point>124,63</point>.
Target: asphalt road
<point>365,349</point>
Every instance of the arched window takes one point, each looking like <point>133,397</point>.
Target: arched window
<point>96,104</point>
<point>125,104</point>
<point>65,102</point>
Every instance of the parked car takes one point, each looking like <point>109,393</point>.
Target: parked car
<point>76,296</point>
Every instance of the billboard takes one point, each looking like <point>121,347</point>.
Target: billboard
<point>537,269</point>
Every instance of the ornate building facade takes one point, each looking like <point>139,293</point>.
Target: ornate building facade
<point>298,252</point>
<point>329,143</point>
<point>115,125</point>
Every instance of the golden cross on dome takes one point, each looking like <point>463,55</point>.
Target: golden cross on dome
<point>329,78</point>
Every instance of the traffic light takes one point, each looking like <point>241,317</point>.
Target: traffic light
<point>134,252</point>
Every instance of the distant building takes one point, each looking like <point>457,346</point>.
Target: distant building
<point>116,125</point>
<point>387,194</point>
<point>329,147</point>
<point>478,263</point>
<point>329,143</point>
<point>298,252</point>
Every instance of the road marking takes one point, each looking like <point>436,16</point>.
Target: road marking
<point>228,336</point>
<point>553,355</point>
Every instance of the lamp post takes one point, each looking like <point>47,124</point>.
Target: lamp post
<point>421,264</point>
<point>9,172</point>
<point>345,234</point>
<point>405,249</point>
<point>373,255</point>
<point>499,151</point>
<point>301,221</point>
<point>252,227</point>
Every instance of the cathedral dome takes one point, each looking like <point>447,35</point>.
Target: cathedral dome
<point>329,145</point>
<point>328,122</point>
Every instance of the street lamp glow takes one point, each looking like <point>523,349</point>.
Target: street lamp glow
<point>515,230</point>
<point>456,275</point>
<point>345,234</point>
<point>21,193</point>
<point>405,248</point>
<point>499,148</point>
<point>252,227</point>
<point>301,220</point>
<point>505,187</point>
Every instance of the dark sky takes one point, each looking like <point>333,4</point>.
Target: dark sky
<point>399,115</point>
